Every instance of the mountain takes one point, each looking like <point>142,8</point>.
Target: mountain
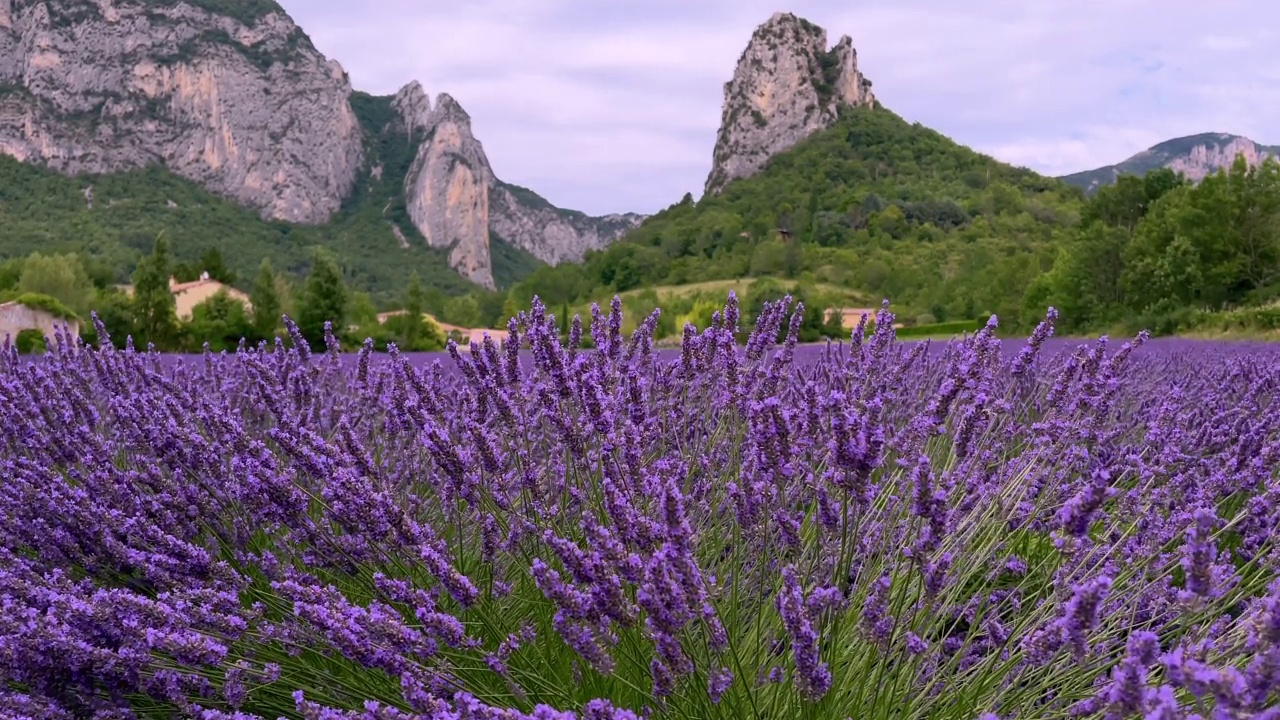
<point>786,86</point>
<point>873,205</point>
<point>818,189</point>
<point>456,201</point>
<point>244,105</point>
<point>232,96</point>
<point>1194,156</point>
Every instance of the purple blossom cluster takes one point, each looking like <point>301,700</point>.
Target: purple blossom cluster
<point>742,528</point>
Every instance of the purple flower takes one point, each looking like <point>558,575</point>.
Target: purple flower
<point>813,678</point>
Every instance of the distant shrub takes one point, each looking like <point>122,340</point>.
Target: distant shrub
<point>955,327</point>
<point>29,342</point>
<point>47,303</point>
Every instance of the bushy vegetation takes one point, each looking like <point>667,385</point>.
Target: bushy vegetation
<point>47,303</point>
<point>148,314</point>
<point>1163,253</point>
<point>873,205</point>
<point>246,11</point>
<point>880,208</point>
<point>46,212</point>
<point>872,208</point>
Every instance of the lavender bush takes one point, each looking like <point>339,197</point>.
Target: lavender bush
<point>872,530</point>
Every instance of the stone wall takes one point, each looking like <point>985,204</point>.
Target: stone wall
<point>15,318</point>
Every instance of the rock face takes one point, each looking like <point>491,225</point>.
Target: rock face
<point>240,102</point>
<point>1194,156</point>
<point>456,202</point>
<point>246,107</point>
<point>787,86</point>
<point>447,189</point>
<point>551,234</point>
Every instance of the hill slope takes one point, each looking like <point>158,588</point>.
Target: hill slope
<point>1194,156</point>
<point>873,204</point>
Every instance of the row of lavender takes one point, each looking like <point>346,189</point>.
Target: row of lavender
<point>879,530</point>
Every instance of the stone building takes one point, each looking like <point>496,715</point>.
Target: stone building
<point>190,294</point>
<point>16,317</point>
<point>187,295</point>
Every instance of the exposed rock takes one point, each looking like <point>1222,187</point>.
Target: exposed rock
<point>787,85</point>
<point>447,191</point>
<point>1194,156</point>
<point>551,234</point>
<point>414,107</point>
<point>250,111</point>
<point>456,202</point>
<point>241,103</point>
<point>400,238</point>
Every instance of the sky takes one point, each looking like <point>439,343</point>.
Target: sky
<point>613,105</point>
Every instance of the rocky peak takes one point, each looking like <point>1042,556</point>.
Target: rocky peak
<point>447,191</point>
<point>413,105</point>
<point>455,201</point>
<point>1207,157</point>
<point>239,102</point>
<point>787,85</point>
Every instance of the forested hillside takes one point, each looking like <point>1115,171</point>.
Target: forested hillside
<point>874,204</point>
<point>1161,253</point>
<point>873,208</point>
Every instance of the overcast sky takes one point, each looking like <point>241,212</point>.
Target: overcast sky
<point>613,105</point>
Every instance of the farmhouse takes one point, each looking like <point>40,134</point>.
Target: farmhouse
<point>850,316</point>
<point>190,294</point>
<point>16,317</point>
<point>187,295</point>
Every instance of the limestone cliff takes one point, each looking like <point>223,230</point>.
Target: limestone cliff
<point>233,96</point>
<point>553,235</point>
<point>456,202</point>
<point>243,105</point>
<point>447,189</point>
<point>1194,156</point>
<point>787,86</point>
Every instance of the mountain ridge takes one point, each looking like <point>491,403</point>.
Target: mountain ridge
<point>1194,155</point>
<point>233,96</point>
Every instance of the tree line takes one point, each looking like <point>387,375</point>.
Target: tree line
<point>148,314</point>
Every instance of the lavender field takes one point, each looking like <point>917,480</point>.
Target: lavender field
<point>979,529</point>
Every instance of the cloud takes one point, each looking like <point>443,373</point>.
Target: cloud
<point>609,107</point>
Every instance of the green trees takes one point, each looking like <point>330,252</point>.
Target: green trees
<point>463,311</point>
<point>61,276</point>
<point>265,299</point>
<point>324,299</point>
<point>211,262</point>
<point>874,205</point>
<point>221,321</point>
<point>1156,248</point>
<point>155,320</point>
<point>412,330</point>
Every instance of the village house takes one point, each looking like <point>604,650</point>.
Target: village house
<point>187,295</point>
<point>190,294</point>
<point>475,336</point>
<point>850,316</point>
<point>16,317</point>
